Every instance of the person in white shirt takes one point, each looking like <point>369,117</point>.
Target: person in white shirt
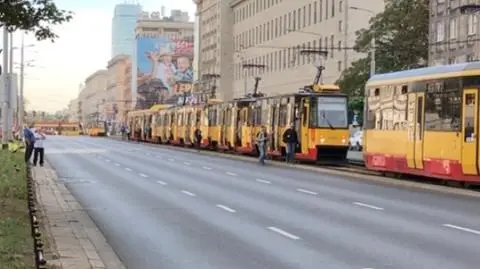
<point>38,147</point>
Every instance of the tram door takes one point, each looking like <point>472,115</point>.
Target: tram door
<point>416,104</point>
<point>304,126</point>
<point>470,132</point>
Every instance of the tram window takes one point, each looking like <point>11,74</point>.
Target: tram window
<point>443,106</point>
<point>420,117</point>
<point>283,115</point>
<point>469,128</point>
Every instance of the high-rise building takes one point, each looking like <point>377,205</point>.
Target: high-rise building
<point>123,28</point>
<point>272,33</point>
<point>453,36</point>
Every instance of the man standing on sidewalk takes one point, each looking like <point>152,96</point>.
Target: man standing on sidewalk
<point>29,142</point>
<point>290,138</point>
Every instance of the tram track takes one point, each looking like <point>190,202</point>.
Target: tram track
<point>352,168</point>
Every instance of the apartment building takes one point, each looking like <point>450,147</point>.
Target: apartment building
<point>453,36</point>
<point>215,42</point>
<point>272,33</point>
<point>177,25</point>
<point>118,88</point>
<point>92,96</point>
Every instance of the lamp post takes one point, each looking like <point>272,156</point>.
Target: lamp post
<point>6,90</point>
<point>21,86</point>
<point>373,43</point>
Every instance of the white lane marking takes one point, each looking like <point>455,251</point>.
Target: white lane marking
<point>263,181</point>
<point>148,153</point>
<point>158,156</point>
<point>368,206</point>
<point>282,232</point>
<point>128,169</point>
<point>307,191</point>
<point>226,208</point>
<point>460,228</point>
<point>186,163</point>
<point>172,160</point>
<point>207,168</point>
<point>107,160</point>
<point>161,182</point>
<point>117,164</point>
<point>143,175</point>
<point>188,193</point>
<point>232,174</point>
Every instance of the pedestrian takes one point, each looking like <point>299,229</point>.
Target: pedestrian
<point>29,142</point>
<point>262,139</point>
<point>290,138</point>
<point>39,150</point>
<point>198,136</point>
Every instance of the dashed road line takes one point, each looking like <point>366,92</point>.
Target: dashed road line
<point>307,191</point>
<point>226,208</point>
<point>188,193</point>
<point>162,182</point>
<point>186,163</point>
<point>172,160</point>
<point>284,233</point>
<point>368,206</point>
<point>107,160</point>
<point>128,169</point>
<point>143,175</point>
<point>263,181</point>
<point>117,164</point>
<point>159,156</point>
<point>460,228</point>
<point>231,174</point>
<point>207,168</point>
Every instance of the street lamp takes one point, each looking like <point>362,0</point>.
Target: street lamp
<point>22,79</point>
<point>373,43</point>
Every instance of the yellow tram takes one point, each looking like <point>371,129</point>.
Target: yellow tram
<point>425,122</point>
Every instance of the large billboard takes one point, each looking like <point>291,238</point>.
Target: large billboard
<point>164,68</point>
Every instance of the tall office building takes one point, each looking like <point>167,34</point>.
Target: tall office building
<point>123,28</point>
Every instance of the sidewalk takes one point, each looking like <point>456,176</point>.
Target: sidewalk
<point>72,239</point>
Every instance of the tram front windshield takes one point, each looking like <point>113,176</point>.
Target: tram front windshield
<point>330,112</point>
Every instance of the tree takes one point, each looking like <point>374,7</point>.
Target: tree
<point>401,37</point>
<point>35,16</point>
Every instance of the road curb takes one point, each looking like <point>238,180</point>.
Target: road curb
<point>361,177</point>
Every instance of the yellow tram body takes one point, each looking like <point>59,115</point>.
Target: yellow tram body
<point>137,120</point>
<point>320,117</point>
<point>425,122</point>
<point>96,128</point>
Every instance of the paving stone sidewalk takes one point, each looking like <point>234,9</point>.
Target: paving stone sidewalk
<point>73,238</point>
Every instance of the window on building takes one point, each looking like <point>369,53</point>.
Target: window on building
<point>284,56</point>
<point>294,20</point>
<point>303,56</point>
<point>326,9</point>
<point>333,8</point>
<point>304,16</point>
<point>472,22</point>
<point>325,44</point>
<point>309,14</point>
<point>280,26</point>
<point>453,28</point>
<point>440,31</point>
<point>299,18</point>
<point>339,66</point>
<point>340,26</point>
<point>285,25</point>
<point>340,6</point>
<point>320,11</point>
<point>339,48</point>
<point>315,12</point>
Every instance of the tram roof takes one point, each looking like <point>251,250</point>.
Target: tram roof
<point>426,73</point>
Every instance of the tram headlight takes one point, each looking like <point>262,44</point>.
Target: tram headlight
<point>322,140</point>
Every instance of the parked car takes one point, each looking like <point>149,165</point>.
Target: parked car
<point>355,142</point>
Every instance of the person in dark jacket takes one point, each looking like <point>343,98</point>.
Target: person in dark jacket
<point>290,138</point>
<point>29,136</point>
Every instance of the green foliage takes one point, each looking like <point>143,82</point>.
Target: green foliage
<point>401,37</point>
<point>35,16</point>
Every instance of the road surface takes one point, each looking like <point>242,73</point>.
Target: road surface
<point>161,208</point>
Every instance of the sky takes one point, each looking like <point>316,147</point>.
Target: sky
<point>55,70</point>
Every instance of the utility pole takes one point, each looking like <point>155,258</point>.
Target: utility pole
<point>347,28</point>
<point>21,108</point>
<point>10,66</point>
<point>6,90</point>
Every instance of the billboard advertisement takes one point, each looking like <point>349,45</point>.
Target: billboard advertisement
<point>164,71</point>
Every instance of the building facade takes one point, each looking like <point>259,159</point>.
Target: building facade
<point>72,110</point>
<point>123,28</point>
<point>272,33</point>
<point>175,26</point>
<point>453,36</point>
<point>117,102</point>
<point>92,97</point>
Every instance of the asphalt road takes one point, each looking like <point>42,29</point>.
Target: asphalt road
<point>165,209</point>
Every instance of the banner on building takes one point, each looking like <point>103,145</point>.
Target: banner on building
<point>164,71</point>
